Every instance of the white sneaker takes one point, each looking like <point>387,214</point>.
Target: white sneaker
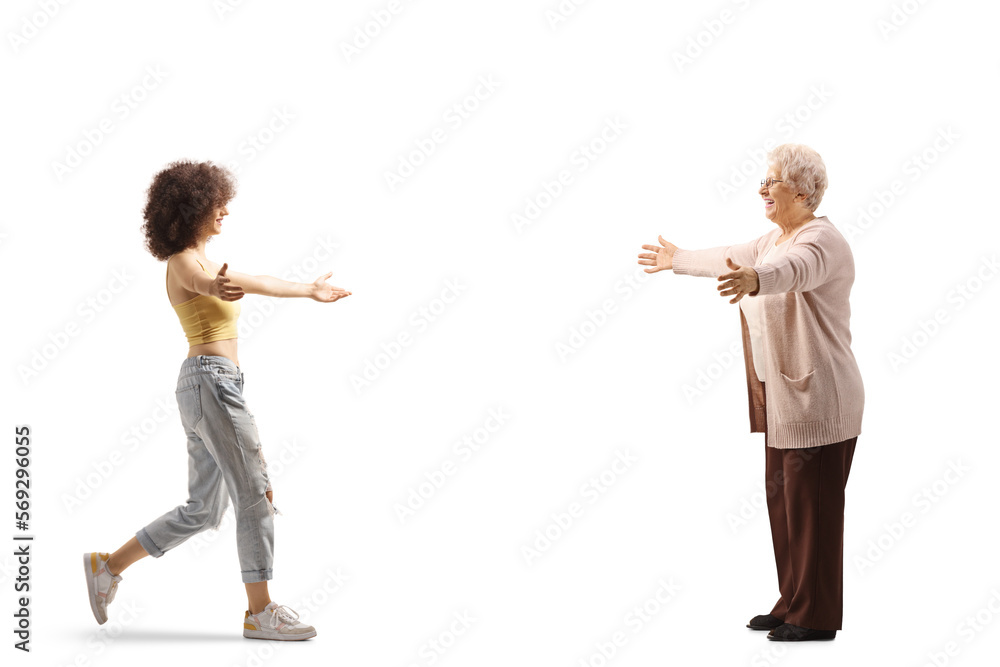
<point>100,583</point>
<point>276,622</point>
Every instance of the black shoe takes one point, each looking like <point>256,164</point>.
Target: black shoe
<point>764,622</point>
<point>786,632</point>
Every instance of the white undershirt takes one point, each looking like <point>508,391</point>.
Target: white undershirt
<point>751,306</point>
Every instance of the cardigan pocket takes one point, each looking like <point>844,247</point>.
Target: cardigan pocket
<point>799,399</point>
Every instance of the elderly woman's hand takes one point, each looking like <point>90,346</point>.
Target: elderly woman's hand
<point>660,258</point>
<point>742,281</point>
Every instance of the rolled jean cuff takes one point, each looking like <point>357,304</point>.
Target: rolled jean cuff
<point>256,576</point>
<point>147,543</point>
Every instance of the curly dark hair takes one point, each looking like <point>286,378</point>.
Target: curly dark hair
<point>179,202</point>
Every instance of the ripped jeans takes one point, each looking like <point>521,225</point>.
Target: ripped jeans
<point>224,460</point>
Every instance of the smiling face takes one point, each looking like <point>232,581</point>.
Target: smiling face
<point>780,202</point>
<point>214,224</point>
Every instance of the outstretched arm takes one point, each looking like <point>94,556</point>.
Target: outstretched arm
<point>711,263</point>
<point>740,280</point>
<point>708,263</point>
<point>318,290</point>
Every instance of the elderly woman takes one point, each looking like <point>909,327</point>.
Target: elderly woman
<point>804,386</point>
<point>184,212</point>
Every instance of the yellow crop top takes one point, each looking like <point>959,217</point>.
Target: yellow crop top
<point>208,318</point>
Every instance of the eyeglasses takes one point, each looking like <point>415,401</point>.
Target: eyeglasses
<point>766,183</point>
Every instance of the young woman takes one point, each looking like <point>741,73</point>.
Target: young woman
<point>185,209</point>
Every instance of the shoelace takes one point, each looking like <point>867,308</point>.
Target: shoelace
<point>282,614</point>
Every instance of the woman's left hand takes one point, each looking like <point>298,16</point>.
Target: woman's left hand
<point>325,293</point>
<point>742,281</point>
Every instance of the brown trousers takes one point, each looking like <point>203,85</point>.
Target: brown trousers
<point>805,503</point>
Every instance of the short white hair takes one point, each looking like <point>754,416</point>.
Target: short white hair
<point>802,170</point>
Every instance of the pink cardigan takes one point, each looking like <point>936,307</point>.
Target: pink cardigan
<point>814,391</point>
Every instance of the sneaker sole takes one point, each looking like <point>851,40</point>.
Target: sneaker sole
<point>261,634</point>
<point>92,589</point>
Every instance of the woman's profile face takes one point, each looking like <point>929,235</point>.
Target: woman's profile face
<point>214,223</point>
<point>779,200</point>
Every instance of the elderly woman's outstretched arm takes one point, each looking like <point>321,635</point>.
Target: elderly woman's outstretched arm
<point>711,262</point>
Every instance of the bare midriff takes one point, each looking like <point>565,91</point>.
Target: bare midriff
<point>221,348</point>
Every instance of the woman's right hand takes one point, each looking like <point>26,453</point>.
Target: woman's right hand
<point>222,289</point>
<point>661,257</point>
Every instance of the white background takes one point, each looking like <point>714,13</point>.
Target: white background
<point>869,95</point>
